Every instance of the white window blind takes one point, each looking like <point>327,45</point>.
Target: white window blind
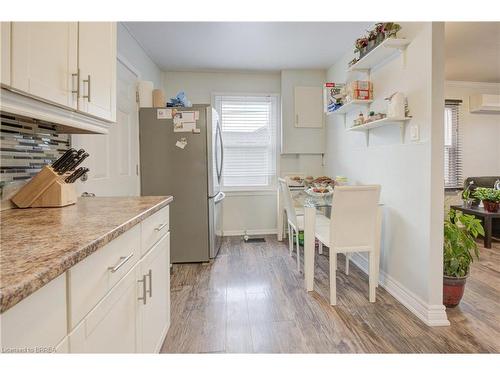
<point>249,133</point>
<point>452,146</point>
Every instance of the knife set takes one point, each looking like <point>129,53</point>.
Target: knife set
<point>53,185</point>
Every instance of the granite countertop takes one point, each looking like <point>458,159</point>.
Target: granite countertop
<point>39,244</point>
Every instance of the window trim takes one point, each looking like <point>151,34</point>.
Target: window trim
<point>250,189</point>
<point>455,104</point>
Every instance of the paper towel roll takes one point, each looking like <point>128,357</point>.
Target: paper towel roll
<point>145,89</point>
<point>159,98</point>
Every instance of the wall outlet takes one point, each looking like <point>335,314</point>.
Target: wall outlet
<point>414,133</point>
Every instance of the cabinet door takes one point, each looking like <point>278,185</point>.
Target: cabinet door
<point>44,59</point>
<point>97,64</point>
<point>111,327</point>
<point>308,107</point>
<point>155,309</point>
<point>5,53</point>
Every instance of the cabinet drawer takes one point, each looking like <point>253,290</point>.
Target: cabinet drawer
<point>38,321</point>
<point>111,327</point>
<point>154,228</point>
<point>92,278</point>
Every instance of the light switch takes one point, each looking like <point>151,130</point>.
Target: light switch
<point>414,133</point>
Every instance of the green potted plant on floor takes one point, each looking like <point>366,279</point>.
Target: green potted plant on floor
<point>459,249</point>
<point>490,198</point>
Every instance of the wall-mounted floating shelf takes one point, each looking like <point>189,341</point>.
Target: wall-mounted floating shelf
<point>401,122</point>
<point>348,107</point>
<point>384,50</point>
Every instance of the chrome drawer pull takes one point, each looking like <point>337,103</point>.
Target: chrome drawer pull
<point>123,260</point>
<point>144,295</point>
<point>160,227</point>
<point>150,275</point>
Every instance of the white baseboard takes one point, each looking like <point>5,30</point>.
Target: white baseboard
<point>250,232</point>
<point>432,315</point>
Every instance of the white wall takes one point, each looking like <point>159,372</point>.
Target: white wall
<point>410,174</point>
<point>254,212</point>
<point>480,133</point>
<point>132,52</point>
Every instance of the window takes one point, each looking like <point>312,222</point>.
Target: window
<point>249,132</point>
<point>452,146</point>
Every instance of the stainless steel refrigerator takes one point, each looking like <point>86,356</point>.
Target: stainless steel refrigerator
<point>187,165</point>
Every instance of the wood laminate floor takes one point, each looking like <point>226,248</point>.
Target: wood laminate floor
<point>251,299</point>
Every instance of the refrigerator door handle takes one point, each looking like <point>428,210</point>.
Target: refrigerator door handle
<point>221,151</point>
<point>219,197</point>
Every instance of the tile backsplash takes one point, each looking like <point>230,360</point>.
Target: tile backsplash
<point>26,145</point>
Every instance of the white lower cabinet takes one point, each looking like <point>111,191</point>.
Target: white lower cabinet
<point>111,302</point>
<point>111,327</point>
<point>34,325</point>
<point>154,296</point>
<point>134,316</point>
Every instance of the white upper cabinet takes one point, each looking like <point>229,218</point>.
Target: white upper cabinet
<point>71,64</point>
<point>5,53</point>
<point>44,60</point>
<point>97,64</point>
<point>308,107</point>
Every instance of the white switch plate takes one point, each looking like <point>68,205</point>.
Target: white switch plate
<point>414,133</point>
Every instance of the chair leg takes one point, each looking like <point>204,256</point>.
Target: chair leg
<point>372,276</point>
<point>320,248</point>
<point>347,258</point>
<point>290,238</point>
<point>298,250</point>
<point>333,277</point>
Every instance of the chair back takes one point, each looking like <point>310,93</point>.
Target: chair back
<point>354,219</point>
<point>288,202</point>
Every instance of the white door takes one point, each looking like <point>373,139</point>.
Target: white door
<point>97,64</point>
<point>111,327</point>
<point>44,60</point>
<point>155,309</point>
<point>114,158</point>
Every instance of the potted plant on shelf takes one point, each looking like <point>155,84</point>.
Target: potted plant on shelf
<point>459,248</point>
<point>361,44</point>
<point>490,198</point>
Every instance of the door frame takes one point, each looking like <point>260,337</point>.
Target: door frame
<point>120,59</point>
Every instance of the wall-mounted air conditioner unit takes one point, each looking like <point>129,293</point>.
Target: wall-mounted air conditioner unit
<point>484,103</point>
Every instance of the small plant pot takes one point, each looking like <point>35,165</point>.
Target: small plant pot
<point>491,206</point>
<point>453,290</point>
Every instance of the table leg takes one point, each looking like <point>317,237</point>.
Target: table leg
<point>487,232</point>
<point>309,225</point>
<point>280,216</point>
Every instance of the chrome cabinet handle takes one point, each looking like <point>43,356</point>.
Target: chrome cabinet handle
<point>123,260</point>
<point>144,293</point>
<point>160,227</point>
<point>150,276</point>
<point>77,91</point>
<point>88,88</point>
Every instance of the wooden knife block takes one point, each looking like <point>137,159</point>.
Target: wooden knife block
<point>46,189</point>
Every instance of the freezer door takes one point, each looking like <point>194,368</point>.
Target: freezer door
<point>215,211</point>
<point>167,169</point>
<point>215,152</point>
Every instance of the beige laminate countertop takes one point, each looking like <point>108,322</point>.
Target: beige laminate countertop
<point>39,244</point>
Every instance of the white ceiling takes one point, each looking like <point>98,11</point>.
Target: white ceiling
<point>264,46</point>
<point>472,51</point>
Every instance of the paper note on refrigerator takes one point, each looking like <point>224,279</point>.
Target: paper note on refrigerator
<point>164,113</point>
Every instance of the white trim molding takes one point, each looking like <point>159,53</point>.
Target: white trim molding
<point>471,84</point>
<point>71,121</point>
<point>432,315</point>
<point>250,232</point>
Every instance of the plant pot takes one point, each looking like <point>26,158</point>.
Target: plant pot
<point>453,290</point>
<point>362,52</point>
<point>491,206</point>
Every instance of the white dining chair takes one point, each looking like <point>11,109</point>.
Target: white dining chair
<point>296,222</point>
<point>355,226</point>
